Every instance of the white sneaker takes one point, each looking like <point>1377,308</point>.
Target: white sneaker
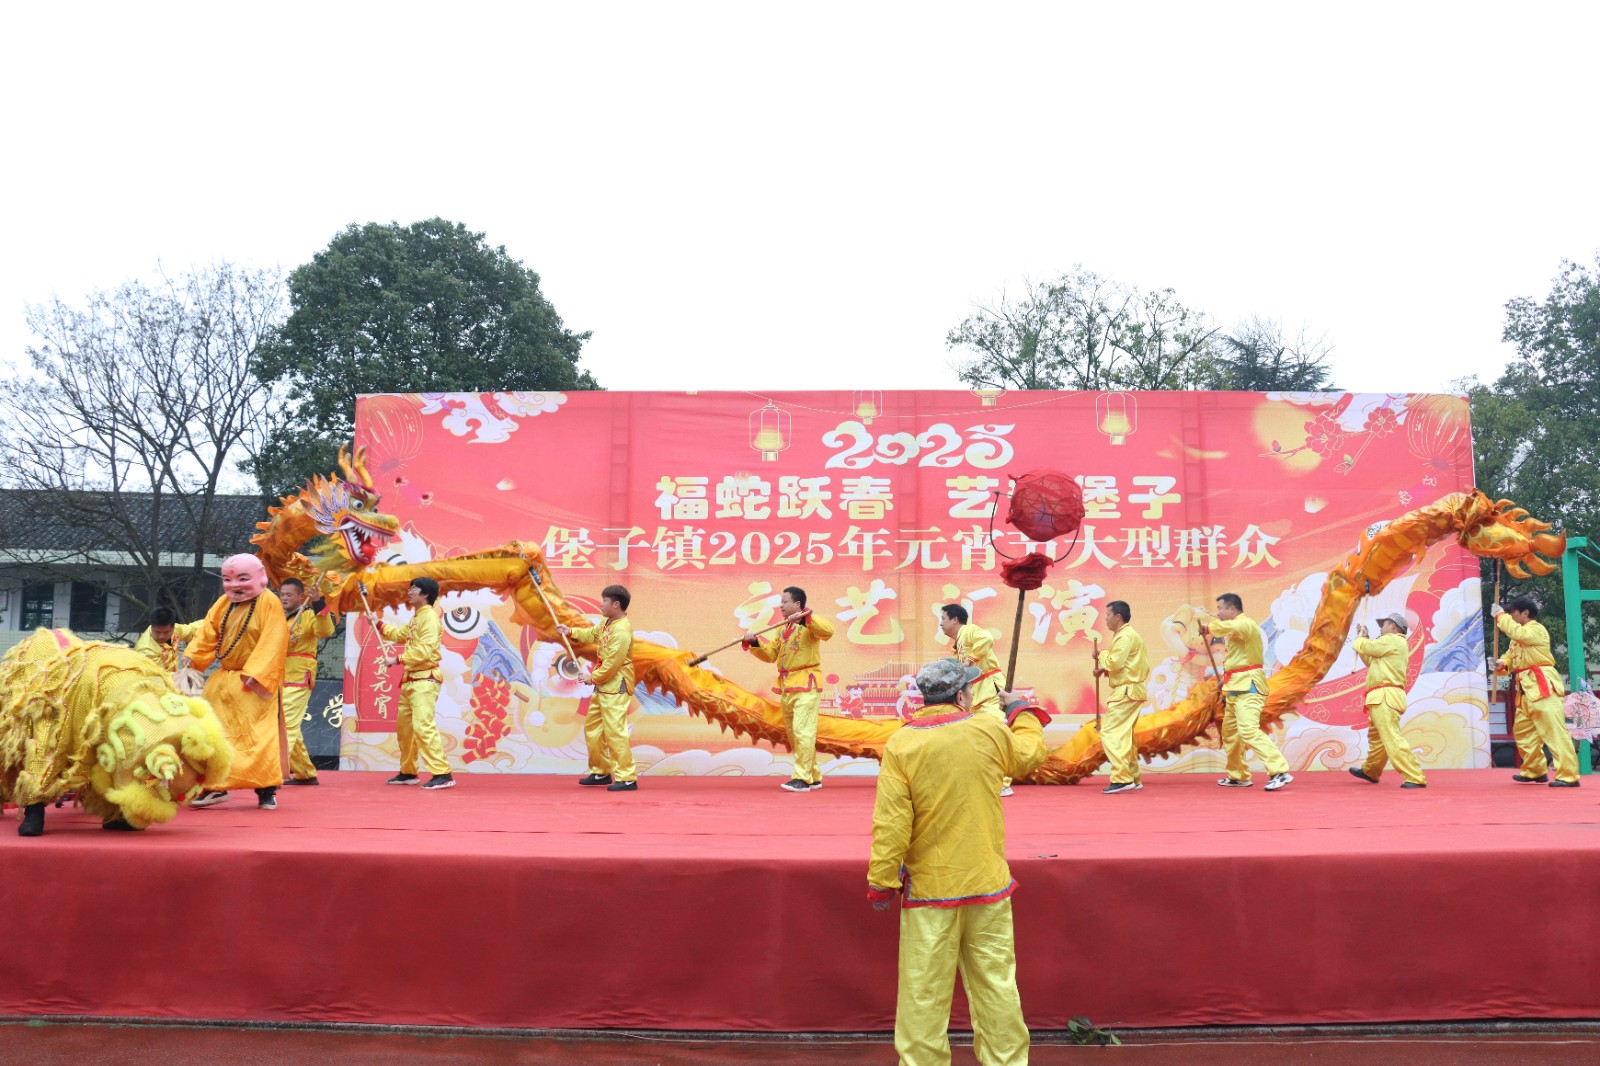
<point>1004,792</point>
<point>208,799</point>
<point>1278,781</point>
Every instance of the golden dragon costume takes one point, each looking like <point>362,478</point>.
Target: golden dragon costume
<point>105,723</point>
<point>338,523</point>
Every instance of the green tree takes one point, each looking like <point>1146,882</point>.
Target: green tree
<point>1533,434</point>
<point>1259,357</point>
<point>429,307</point>
<point>1084,331</point>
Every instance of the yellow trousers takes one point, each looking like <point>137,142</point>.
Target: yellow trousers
<point>605,731</point>
<point>296,699</point>
<point>1116,736</point>
<point>1241,729</point>
<point>416,729</point>
<point>1386,745</point>
<point>977,940</point>
<point>1542,724</point>
<point>800,719</point>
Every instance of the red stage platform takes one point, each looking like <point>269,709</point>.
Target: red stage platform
<point>726,903</point>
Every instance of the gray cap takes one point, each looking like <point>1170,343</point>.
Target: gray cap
<point>942,679</point>
<point>1398,619</point>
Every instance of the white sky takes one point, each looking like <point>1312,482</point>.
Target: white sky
<point>781,196</point>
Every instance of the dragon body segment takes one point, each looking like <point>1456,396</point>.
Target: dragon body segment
<point>330,534</point>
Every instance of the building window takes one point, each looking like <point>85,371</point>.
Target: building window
<point>38,605</point>
<point>88,608</point>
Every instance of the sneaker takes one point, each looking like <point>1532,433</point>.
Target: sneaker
<point>794,784</point>
<point>1414,784</point>
<point>267,803</point>
<point>403,779</point>
<point>1278,781</point>
<point>440,781</point>
<point>1564,784</point>
<point>208,799</point>
<point>1228,782</point>
<point>595,779</point>
<point>1125,786</point>
<point>1519,779</point>
<point>1356,771</point>
<point>1004,792</point>
<point>623,786</point>
<point>302,781</point>
<point>816,784</point>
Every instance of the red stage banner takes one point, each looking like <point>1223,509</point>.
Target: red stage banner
<point>882,506</point>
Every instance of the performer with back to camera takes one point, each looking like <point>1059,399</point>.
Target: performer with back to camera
<point>605,728</point>
<point>247,635</point>
<point>1128,668</point>
<point>938,844</point>
<point>1244,687</point>
<point>1541,721</point>
<point>1386,660</point>
<point>797,650</point>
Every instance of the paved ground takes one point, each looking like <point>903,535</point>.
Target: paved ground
<point>33,1044</point>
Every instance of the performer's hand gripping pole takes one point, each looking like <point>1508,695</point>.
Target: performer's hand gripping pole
<point>538,586</point>
<point>776,625</point>
<point>384,647</point>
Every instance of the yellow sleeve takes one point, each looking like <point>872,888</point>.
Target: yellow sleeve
<point>266,663</point>
<point>1518,634</point>
<point>1365,649</point>
<point>1116,657</point>
<point>1220,628</point>
<point>585,634</point>
<point>146,645</point>
<point>202,649</point>
<point>766,651</point>
<point>1028,749</point>
<point>322,625</point>
<point>891,824</point>
<point>820,627</point>
<point>422,643</point>
<point>614,655</point>
<point>395,634</point>
<point>981,645</point>
<point>184,632</point>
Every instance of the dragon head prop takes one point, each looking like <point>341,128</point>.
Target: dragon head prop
<point>1502,530</point>
<point>334,522</point>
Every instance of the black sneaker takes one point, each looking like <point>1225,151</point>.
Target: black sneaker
<point>1278,781</point>
<point>623,786</point>
<point>440,781</point>
<point>816,784</point>
<point>208,799</point>
<point>1564,784</point>
<point>267,799</point>
<point>32,821</point>
<point>1125,786</point>
<point>302,781</point>
<point>794,784</point>
<point>1229,782</point>
<point>1519,779</point>
<point>1413,784</point>
<point>403,779</point>
<point>1356,771</point>
<point>595,779</point>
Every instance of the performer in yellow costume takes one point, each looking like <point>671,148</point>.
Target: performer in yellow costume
<point>1386,660</point>
<point>416,729</point>
<point>161,639</point>
<point>605,728</point>
<point>938,843</point>
<point>797,650</point>
<point>1541,721</point>
<point>975,647</point>
<point>1128,667</point>
<point>309,622</point>
<point>245,633</point>
<point>1244,687</point>
<point>106,724</point>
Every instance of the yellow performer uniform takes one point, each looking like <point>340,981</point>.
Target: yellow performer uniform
<point>1127,670</point>
<point>605,727</point>
<point>1386,702</point>
<point>305,629</point>
<point>1541,721</point>
<point>419,691</point>
<point>165,655</point>
<point>938,842</point>
<point>797,650</point>
<point>251,640</point>
<point>1244,687</point>
<point>106,724</point>
<point>975,647</point>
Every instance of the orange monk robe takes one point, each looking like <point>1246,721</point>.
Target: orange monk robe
<point>252,723</point>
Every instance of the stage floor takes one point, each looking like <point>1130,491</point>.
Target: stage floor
<point>728,904</point>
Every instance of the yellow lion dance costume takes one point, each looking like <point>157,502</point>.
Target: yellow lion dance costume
<point>105,723</point>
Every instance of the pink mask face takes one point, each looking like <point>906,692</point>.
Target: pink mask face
<point>243,578</point>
